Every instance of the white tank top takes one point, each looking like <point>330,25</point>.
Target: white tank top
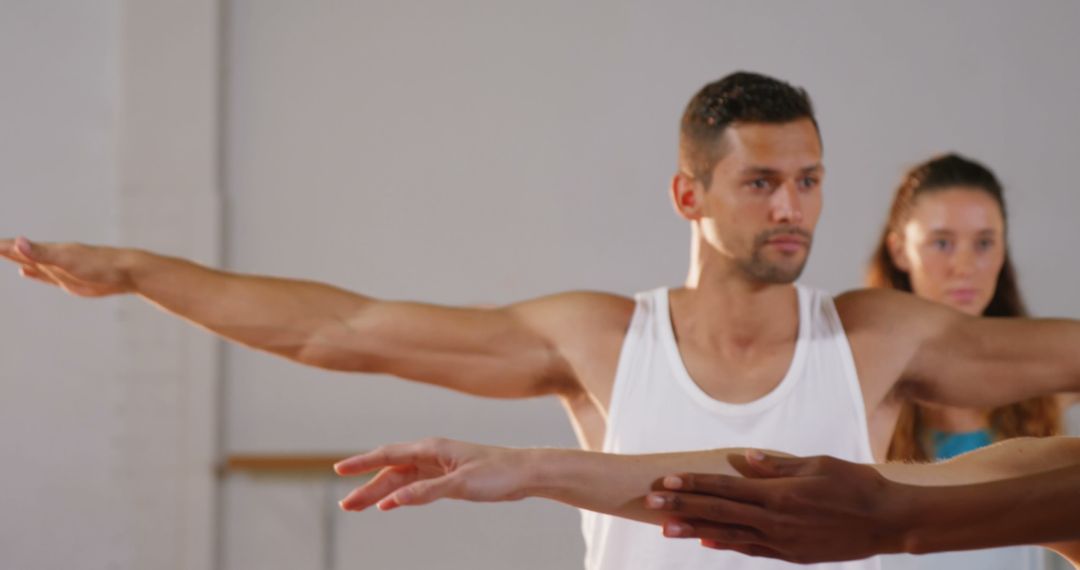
<point>656,407</point>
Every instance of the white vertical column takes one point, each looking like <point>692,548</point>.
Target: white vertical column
<point>169,201</point>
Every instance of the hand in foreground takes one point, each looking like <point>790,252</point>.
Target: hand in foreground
<point>420,472</point>
<point>801,510</point>
<point>86,271</point>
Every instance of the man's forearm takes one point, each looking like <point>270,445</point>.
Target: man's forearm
<point>272,314</point>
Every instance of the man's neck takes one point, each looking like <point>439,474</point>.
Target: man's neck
<point>724,309</point>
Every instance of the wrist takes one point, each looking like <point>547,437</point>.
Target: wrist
<point>906,506</point>
<point>550,473</point>
<point>133,266</point>
<point>540,471</point>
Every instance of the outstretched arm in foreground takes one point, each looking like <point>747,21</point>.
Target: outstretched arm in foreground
<point>1023,491</point>
<point>420,472</point>
<point>854,510</point>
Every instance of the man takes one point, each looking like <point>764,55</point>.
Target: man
<point>738,356</point>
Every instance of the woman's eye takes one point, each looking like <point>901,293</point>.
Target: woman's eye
<point>940,244</point>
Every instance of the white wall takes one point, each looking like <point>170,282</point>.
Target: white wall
<point>108,417</point>
<point>467,151</point>
<point>58,402</point>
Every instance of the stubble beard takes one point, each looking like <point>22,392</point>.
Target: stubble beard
<point>763,270</point>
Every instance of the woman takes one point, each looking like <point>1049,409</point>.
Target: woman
<point>945,241</point>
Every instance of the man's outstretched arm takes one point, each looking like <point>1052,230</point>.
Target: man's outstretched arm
<point>925,351</point>
<point>514,351</point>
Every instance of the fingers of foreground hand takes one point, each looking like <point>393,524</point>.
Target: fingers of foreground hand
<point>722,486</point>
<point>384,456</point>
<point>724,533</point>
<point>388,480</point>
<point>747,549</point>
<point>422,492</point>
<point>761,465</point>
<point>708,508</point>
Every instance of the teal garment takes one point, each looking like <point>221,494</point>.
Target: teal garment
<point>947,444</point>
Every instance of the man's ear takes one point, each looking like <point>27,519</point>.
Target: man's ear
<point>895,244</point>
<point>687,195</point>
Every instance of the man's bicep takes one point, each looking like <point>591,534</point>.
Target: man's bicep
<point>504,352</point>
<point>884,331</point>
<point>987,362</point>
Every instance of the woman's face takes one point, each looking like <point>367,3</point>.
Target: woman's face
<point>953,247</point>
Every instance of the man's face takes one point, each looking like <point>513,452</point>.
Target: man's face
<point>764,198</point>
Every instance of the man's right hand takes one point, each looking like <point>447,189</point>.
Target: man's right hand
<point>82,270</point>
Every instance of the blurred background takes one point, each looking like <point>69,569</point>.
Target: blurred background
<point>463,151</point>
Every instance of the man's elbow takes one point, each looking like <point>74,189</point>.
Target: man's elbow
<point>330,354</point>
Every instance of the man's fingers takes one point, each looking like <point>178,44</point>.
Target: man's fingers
<point>30,255</point>
<point>384,456</point>
<point>31,272</point>
<point>722,486</point>
<point>708,508</point>
<point>27,249</point>
<point>388,480</point>
<point>7,249</point>
<point>18,257</point>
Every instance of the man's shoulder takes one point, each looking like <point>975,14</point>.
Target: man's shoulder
<point>861,307</point>
<point>590,309</point>
<point>592,300</point>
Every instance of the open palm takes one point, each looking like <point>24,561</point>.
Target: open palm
<point>420,472</point>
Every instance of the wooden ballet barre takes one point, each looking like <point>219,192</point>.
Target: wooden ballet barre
<point>282,463</point>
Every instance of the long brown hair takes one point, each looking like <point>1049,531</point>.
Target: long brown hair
<point>1035,417</point>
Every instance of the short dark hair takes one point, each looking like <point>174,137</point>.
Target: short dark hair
<point>741,97</point>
